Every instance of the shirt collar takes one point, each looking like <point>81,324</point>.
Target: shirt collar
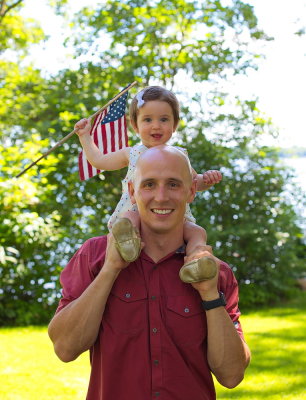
<point>180,251</point>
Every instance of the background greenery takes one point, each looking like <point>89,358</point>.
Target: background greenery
<point>276,336</point>
<point>47,213</point>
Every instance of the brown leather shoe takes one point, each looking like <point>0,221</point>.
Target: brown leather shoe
<point>199,270</point>
<point>127,239</point>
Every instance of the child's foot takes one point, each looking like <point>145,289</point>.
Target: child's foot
<point>127,238</point>
<point>199,270</point>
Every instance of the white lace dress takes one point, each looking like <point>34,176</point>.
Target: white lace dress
<point>125,203</point>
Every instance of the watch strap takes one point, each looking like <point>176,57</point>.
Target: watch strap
<point>219,302</point>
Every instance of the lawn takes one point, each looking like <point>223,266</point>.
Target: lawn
<point>29,370</point>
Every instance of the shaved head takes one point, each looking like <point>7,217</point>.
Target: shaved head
<point>161,154</point>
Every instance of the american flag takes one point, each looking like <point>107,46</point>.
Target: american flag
<point>109,132</point>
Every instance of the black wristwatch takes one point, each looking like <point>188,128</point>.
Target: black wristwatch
<point>209,305</point>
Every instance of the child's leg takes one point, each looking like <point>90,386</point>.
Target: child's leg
<point>197,267</point>
<point>195,238</point>
<point>133,216</point>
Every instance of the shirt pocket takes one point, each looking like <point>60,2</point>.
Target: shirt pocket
<point>126,309</point>
<point>186,320</point>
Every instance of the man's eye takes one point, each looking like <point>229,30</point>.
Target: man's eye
<point>174,184</point>
<point>148,185</point>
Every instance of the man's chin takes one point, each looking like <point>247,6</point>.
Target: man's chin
<point>161,227</point>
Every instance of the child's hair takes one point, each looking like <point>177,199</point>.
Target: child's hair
<point>151,93</point>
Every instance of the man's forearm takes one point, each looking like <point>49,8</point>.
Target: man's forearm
<point>75,328</point>
<point>228,355</point>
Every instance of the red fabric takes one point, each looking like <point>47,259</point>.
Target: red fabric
<point>152,341</point>
<point>108,138</point>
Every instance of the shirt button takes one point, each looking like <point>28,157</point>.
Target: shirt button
<point>154,330</point>
<point>186,310</point>
<point>156,394</point>
<point>153,297</point>
<point>156,362</point>
<point>127,295</point>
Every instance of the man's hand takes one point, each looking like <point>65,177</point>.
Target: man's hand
<point>113,260</point>
<point>208,289</point>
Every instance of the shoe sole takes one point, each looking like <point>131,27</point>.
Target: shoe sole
<point>127,241</point>
<point>203,269</point>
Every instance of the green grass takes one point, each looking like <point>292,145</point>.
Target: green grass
<point>29,370</point>
<point>277,339</point>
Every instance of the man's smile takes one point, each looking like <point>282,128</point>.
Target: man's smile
<point>161,211</point>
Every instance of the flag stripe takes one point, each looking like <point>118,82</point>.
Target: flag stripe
<point>109,132</point>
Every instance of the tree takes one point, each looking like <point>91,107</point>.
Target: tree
<point>29,231</point>
<point>153,42</point>
<point>29,236</point>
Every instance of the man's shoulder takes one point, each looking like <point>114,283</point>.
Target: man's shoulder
<point>93,244</point>
<point>226,275</point>
<point>225,267</point>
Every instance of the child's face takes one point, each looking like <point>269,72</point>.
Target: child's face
<point>155,123</point>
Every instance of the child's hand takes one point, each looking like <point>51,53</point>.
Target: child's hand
<point>212,177</point>
<point>83,127</point>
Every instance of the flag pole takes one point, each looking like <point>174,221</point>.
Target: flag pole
<point>44,155</point>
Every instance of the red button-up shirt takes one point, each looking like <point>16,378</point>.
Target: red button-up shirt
<point>152,341</point>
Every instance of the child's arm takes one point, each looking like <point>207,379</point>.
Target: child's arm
<point>106,162</point>
<point>207,180</point>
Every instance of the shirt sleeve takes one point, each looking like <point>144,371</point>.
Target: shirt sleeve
<point>81,270</point>
<point>229,286</point>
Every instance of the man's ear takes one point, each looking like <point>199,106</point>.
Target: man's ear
<point>131,192</point>
<point>193,190</point>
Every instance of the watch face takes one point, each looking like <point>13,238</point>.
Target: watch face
<point>223,298</point>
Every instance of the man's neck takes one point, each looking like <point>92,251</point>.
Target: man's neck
<point>159,245</point>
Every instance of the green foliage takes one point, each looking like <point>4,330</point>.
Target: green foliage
<point>249,221</point>
<point>156,40</point>
<point>28,236</point>
<point>48,212</point>
<point>17,33</point>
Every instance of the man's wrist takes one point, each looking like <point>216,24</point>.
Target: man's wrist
<point>209,295</point>
<point>220,301</point>
<point>110,271</point>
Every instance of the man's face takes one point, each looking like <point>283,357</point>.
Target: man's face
<point>161,189</point>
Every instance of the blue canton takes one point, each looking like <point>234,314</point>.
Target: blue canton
<point>116,110</point>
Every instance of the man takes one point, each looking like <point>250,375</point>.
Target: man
<point>151,335</point>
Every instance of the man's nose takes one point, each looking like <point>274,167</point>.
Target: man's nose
<point>161,193</point>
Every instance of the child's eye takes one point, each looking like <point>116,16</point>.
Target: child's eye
<point>165,119</point>
<point>147,119</point>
